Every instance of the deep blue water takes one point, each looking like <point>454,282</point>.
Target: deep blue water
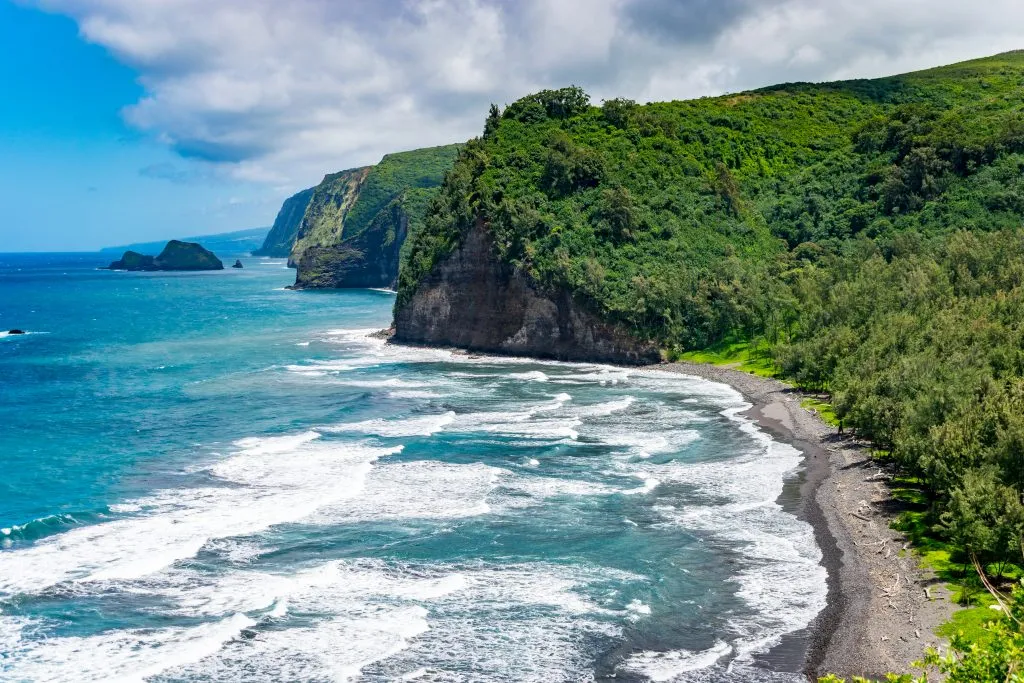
<point>206,477</point>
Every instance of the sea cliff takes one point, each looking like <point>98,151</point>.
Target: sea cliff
<point>357,221</point>
<point>281,238</point>
<point>472,300</point>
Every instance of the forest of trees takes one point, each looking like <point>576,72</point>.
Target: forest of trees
<point>866,234</point>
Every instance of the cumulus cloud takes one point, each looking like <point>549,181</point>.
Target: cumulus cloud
<point>281,92</point>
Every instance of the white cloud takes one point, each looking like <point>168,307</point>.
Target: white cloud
<point>281,92</point>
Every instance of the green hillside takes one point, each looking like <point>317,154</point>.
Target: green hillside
<point>862,237</point>
<point>356,221</point>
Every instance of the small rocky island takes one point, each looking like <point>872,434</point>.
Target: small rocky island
<point>238,263</point>
<point>175,256</point>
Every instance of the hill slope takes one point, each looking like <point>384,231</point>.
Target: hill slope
<point>236,242</point>
<point>353,229</point>
<point>651,216</point>
<point>279,241</point>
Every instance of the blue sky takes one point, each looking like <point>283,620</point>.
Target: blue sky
<point>139,120</point>
<point>73,175</point>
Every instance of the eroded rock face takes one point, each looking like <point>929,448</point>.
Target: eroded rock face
<point>368,260</point>
<point>282,235</point>
<point>472,301</point>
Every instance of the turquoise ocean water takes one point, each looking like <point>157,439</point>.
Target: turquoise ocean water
<point>206,477</point>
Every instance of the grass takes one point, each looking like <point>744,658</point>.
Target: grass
<point>747,356</point>
<point>971,623</point>
<point>934,553</point>
<point>824,409</point>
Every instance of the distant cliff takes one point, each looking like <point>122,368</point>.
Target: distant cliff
<point>357,220</point>
<point>281,238</point>
<point>175,256</point>
<point>234,242</point>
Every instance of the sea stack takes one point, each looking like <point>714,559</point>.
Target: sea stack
<point>175,256</point>
<point>238,264</point>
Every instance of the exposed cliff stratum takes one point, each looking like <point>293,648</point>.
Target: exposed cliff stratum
<point>473,300</point>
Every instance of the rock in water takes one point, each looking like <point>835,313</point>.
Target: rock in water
<point>15,331</point>
<point>133,260</point>
<point>238,264</point>
<point>187,256</point>
<point>175,256</point>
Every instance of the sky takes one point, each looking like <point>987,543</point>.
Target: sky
<point>132,120</point>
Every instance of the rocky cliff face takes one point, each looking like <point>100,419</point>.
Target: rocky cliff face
<point>471,300</point>
<point>369,259</point>
<point>356,223</point>
<point>324,218</point>
<point>283,233</point>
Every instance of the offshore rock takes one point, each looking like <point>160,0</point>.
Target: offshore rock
<point>175,256</point>
<point>238,263</point>
<point>472,301</point>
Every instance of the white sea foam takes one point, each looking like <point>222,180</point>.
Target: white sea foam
<point>422,425</point>
<point>419,489</point>
<point>780,576</point>
<point>668,666</point>
<point>413,394</point>
<point>530,376</point>
<point>115,657</point>
<point>400,617</point>
<point>269,481</point>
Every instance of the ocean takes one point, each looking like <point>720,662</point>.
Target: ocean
<point>208,477</point>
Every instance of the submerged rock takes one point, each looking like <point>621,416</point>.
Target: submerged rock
<point>175,256</point>
<point>238,264</point>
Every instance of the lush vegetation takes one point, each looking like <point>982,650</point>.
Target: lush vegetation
<point>863,238</point>
<point>348,204</point>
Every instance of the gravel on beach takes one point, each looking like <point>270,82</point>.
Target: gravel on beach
<point>883,608</point>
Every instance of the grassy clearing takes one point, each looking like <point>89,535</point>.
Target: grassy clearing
<point>747,356</point>
<point>822,408</point>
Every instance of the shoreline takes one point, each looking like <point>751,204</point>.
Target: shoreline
<point>878,616</point>
<point>881,608</point>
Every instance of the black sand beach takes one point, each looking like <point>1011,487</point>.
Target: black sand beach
<point>879,616</point>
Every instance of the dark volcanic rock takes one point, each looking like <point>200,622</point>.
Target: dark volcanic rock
<point>15,331</point>
<point>238,263</point>
<point>175,256</point>
<point>368,260</point>
<point>472,301</point>
<point>133,260</point>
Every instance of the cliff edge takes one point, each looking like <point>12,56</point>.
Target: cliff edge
<point>357,221</point>
<point>281,238</point>
<point>472,300</point>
